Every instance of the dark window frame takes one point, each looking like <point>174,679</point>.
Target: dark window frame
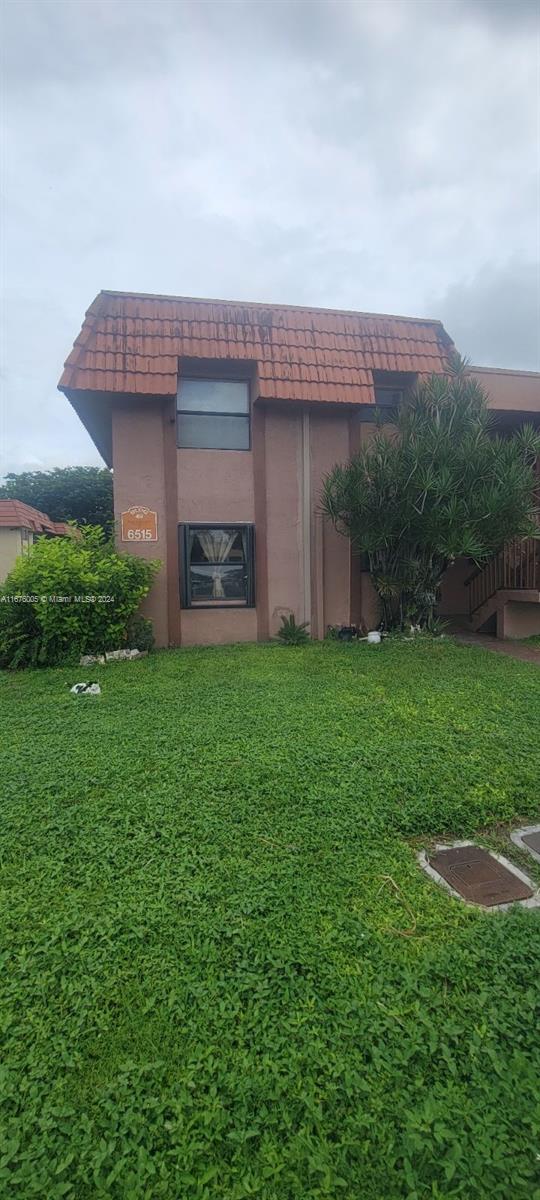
<point>390,392</point>
<point>199,412</point>
<point>184,531</point>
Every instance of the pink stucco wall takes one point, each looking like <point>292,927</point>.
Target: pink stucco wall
<point>215,485</point>
<point>518,620</point>
<point>139,478</point>
<point>283,466</point>
<point>304,566</point>
<point>218,626</point>
<point>510,391</point>
<point>331,557</point>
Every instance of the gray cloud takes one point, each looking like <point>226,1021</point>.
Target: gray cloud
<point>494,317</point>
<point>508,15</point>
<point>379,154</point>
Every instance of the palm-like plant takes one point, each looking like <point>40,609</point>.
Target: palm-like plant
<point>291,633</point>
<point>441,483</point>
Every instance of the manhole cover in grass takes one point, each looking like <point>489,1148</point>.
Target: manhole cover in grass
<point>532,840</point>
<point>528,839</point>
<point>478,877</point>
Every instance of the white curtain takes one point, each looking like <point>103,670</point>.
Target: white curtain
<point>216,546</point>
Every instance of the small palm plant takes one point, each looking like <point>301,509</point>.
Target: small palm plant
<point>291,633</point>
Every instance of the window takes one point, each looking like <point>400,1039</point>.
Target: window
<point>213,414</point>
<point>218,566</point>
<point>388,397</point>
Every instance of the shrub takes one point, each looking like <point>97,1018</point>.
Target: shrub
<point>68,597</point>
<point>140,633</point>
<point>441,485</point>
<point>291,633</point>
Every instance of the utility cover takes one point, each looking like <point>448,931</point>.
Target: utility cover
<point>479,877</point>
<point>532,840</point>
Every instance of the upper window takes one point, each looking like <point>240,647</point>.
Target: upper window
<point>388,397</point>
<point>218,566</point>
<point>213,414</point>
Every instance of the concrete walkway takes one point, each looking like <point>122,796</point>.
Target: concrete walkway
<point>511,649</point>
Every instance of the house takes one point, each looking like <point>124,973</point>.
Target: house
<point>220,420</point>
<point>20,525</point>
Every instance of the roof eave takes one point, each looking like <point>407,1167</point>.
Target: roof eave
<point>94,409</point>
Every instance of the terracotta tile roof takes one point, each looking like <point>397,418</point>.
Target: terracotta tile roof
<point>14,514</point>
<point>131,344</point>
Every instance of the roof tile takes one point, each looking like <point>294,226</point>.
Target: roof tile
<point>132,343</point>
<point>15,514</point>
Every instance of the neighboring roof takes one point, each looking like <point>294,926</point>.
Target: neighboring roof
<point>14,514</point>
<point>503,371</point>
<point>131,343</point>
<point>511,391</point>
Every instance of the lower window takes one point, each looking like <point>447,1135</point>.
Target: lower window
<point>218,569</point>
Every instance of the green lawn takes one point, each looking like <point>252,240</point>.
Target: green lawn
<point>224,975</point>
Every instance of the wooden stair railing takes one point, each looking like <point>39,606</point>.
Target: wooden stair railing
<point>515,568</point>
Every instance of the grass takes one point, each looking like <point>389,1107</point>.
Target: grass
<point>224,975</point>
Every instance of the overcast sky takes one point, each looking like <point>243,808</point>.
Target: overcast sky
<point>373,154</point>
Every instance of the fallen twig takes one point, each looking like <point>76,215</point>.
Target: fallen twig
<point>387,879</point>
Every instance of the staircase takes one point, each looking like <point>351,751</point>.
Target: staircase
<point>510,579</point>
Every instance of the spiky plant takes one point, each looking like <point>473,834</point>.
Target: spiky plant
<point>291,633</point>
<point>441,483</point>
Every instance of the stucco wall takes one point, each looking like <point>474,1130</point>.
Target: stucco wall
<point>139,478</point>
<point>518,620</point>
<point>218,626</point>
<point>10,548</point>
<point>283,467</point>
<point>331,557</point>
<point>510,391</point>
<point>220,486</point>
<point>303,564</point>
<point>216,485</point>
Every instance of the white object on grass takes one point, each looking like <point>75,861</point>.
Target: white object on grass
<point>87,660</point>
<point>373,638</point>
<point>86,689</point>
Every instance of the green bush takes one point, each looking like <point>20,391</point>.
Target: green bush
<point>140,633</point>
<point>69,596</point>
<point>439,485</point>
